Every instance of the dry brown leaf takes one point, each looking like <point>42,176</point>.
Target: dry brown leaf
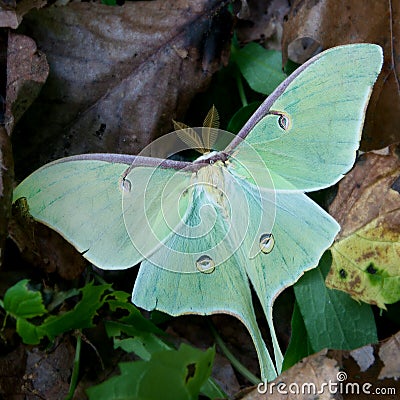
<point>365,255</point>
<point>11,12</point>
<point>366,191</point>
<point>262,21</point>
<point>315,25</point>
<point>27,71</point>
<point>42,247</point>
<point>389,354</point>
<point>6,185</point>
<point>118,75</point>
<point>48,373</point>
<point>315,370</point>
<point>364,356</point>
<point>348,380</point>
<point>12,368</point>
<point>6,157</point>
<point>224,375</point>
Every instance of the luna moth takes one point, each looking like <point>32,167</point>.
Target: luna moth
<point>205,230</point>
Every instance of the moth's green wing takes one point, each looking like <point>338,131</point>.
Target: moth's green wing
<point>302,232</point>
<point>82,200</point>
<point>226,290</point>
<point>161,284</point>
<point>323,107</point>
<point>155,205</point>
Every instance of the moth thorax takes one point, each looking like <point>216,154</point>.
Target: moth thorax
<point>212,180</point>
<point>207,155</point>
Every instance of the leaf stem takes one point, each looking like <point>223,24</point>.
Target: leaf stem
<point>3,326</point>
<point>75,371</point>
<point>100,279</point>
<point>240,87</point>
<point>233,360</point>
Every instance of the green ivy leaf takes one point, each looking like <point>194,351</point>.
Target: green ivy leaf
<point>299,345</point>
<point>140,342</point>
<point>332,318</point>
<point>261,68</point>
<point>168,375</point>
<point>241,117</point>
<point>81,316</point>
<point>21,302</point>
<point>30,333</point>
<point>119,300</point>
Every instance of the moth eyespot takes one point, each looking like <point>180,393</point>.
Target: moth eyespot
<point>126,185</point>
<point>205,264</point>
<point>284,122</point>
<point>267,242</point>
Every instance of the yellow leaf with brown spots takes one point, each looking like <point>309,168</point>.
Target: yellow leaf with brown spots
<point>366,254</point>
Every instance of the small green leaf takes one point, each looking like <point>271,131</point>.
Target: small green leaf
<point>332,318</point>
<point>119,300</point>
<point>30,333</point>
<point>81,316</point>
<point>21,302</point>
<point>299,345</point>
<point>142,343</point>
<point>261,68</point>
<point>241,117</point>
<point>212,390</point>
<point>58,297</point>
<point>169,375</point>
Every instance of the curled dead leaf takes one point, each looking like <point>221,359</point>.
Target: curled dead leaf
<point>389,354</point>
<point>12,12</point>
<point>364,356</point>
<point>27,71</point>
